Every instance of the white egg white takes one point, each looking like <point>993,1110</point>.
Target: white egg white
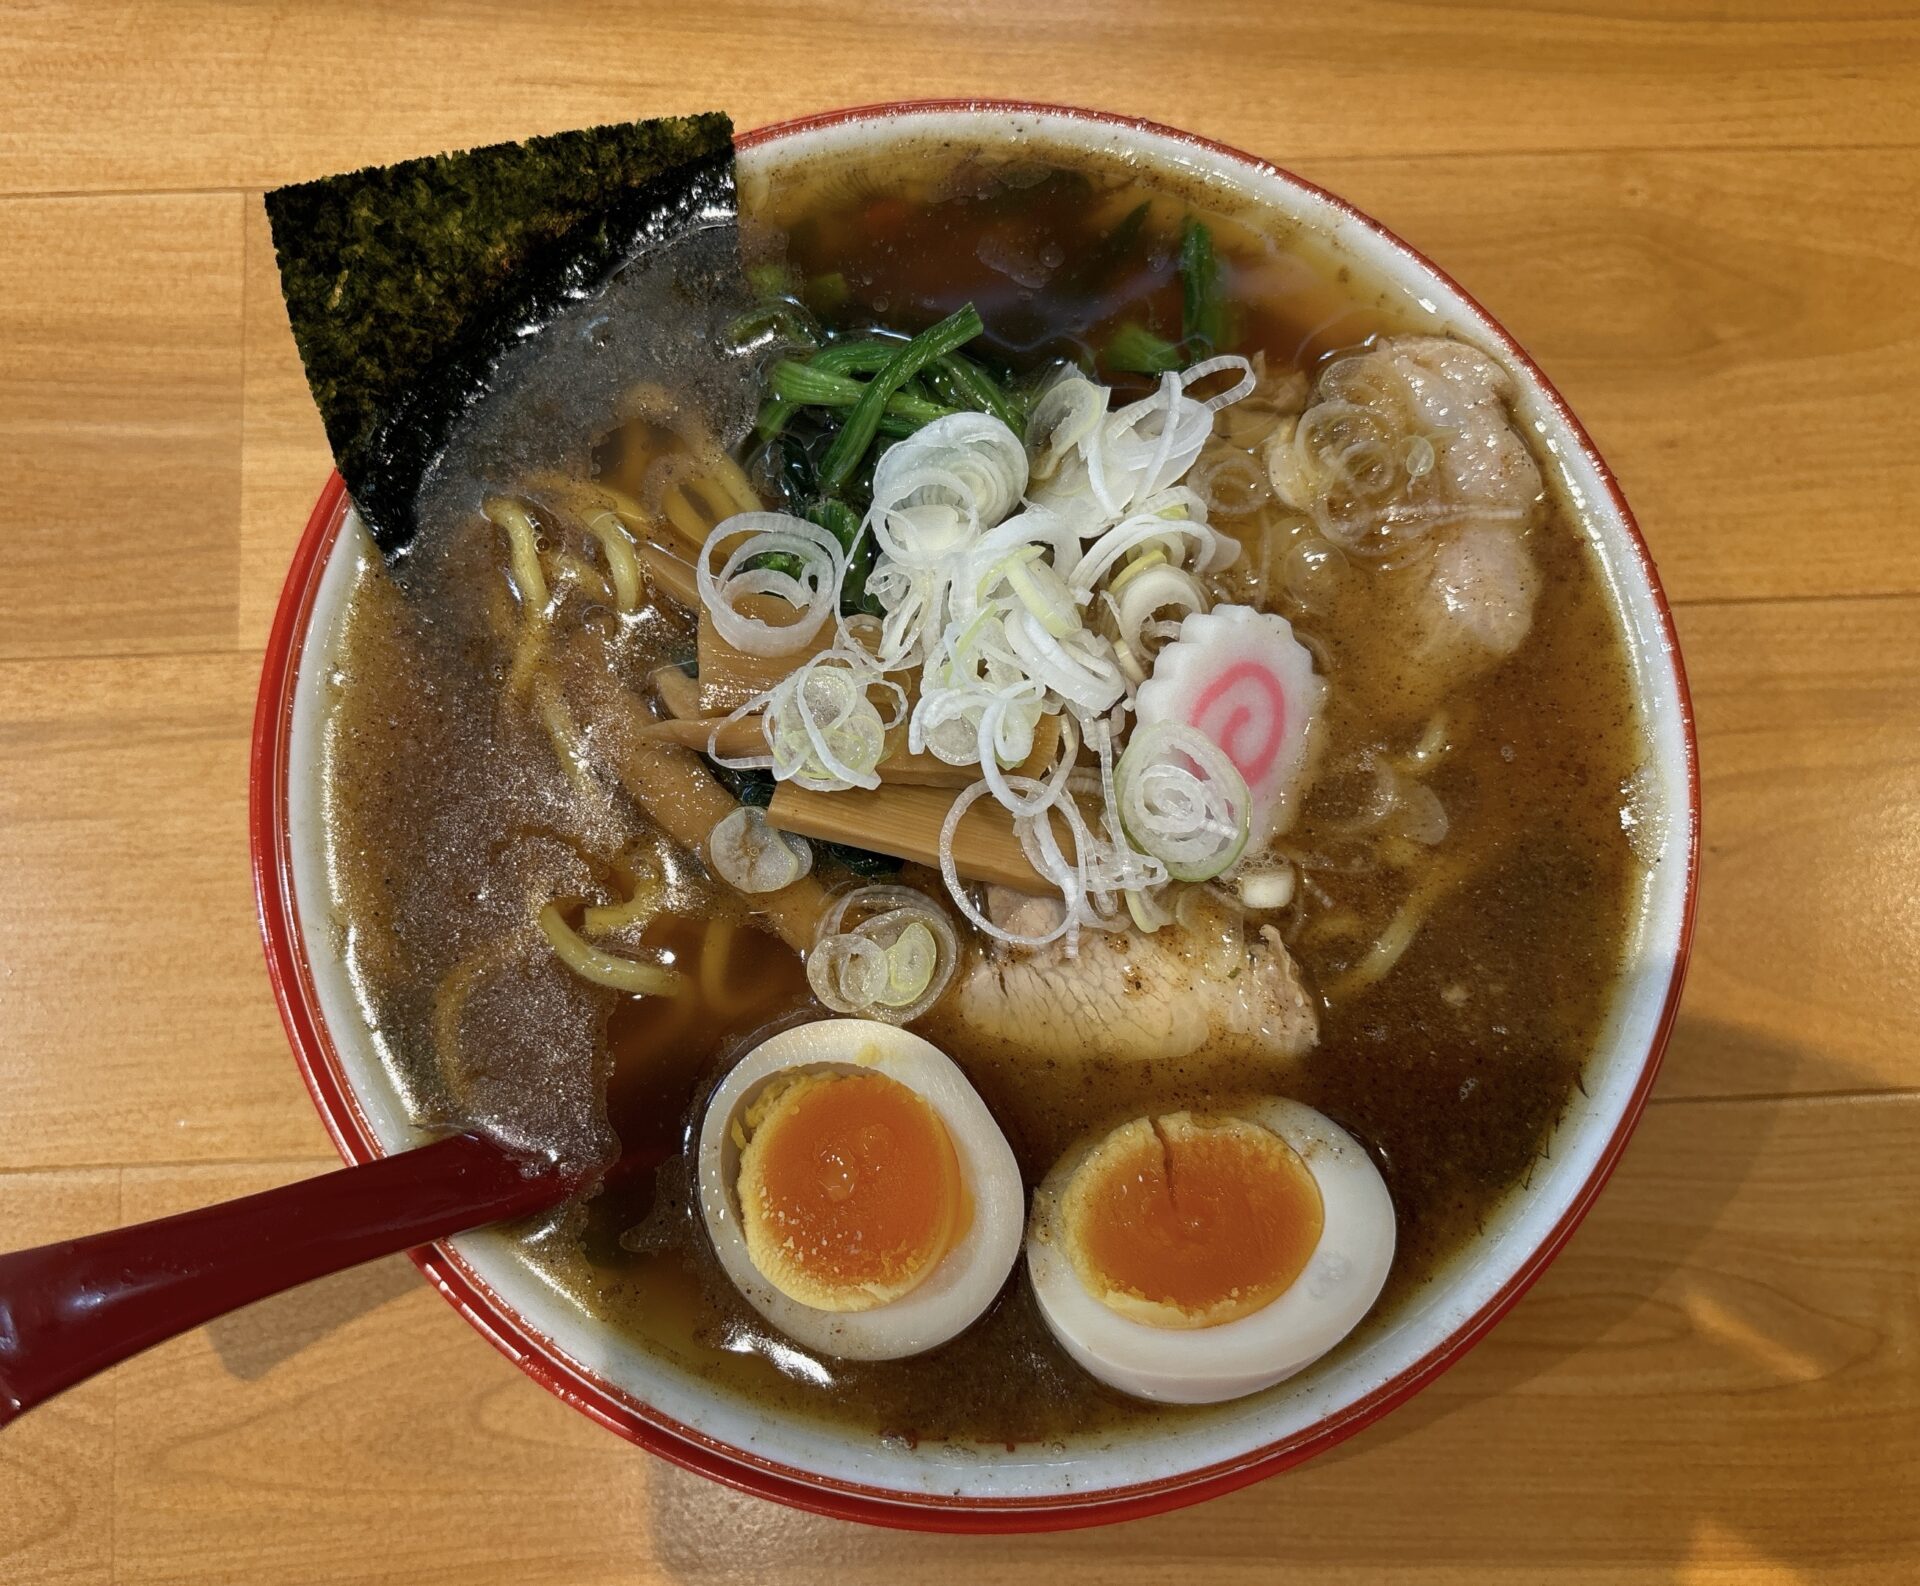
<point>1205,1365</point>
<point>967,1277</point>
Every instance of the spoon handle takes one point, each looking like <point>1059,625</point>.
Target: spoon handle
<point>70,1309</point>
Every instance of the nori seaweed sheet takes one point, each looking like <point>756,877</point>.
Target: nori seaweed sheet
<point>405,283</point>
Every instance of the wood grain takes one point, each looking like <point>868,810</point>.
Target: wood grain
<point>1738,378</point>
<point>1700,220</point>
<point>251,95</point>
<point>138,1023</point>
<point>1742,373</point>
<point>119,424</point>
<point>1806,976</point>
<point>1712,1329</point>
<point>56,1472</point>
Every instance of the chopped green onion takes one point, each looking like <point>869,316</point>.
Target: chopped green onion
<point>1136,349</point>
<point>845,357</point>
<point>943,387</point>
<point>811,386</point>
<point>837,518</point>
<point>770,279</point>
<point>920,389</point>
<point>825,293</point>
<point>1204,319</point>
<point>843,523</point>
<point>853,588</point>
<point>778,562</point>
<point>777,321</point>
<point>863,422</point>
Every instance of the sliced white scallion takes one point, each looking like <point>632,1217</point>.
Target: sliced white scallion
<point>1243,387</point>
<point>1182,800</point>
<point>823,730</point>
<point>754,858</point>
<point>1081,668</point>
<point>1068,413</point>
<point>936,490</point>
<point>1020,784</point>
<point>1270,887</point>
<point>994,562</point>
<point>892,964</point>
<point>1139,604</point>
<point>1147,911</point>
<point>813,592</point>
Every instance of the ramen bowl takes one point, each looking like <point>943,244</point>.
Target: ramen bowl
<point>939,1486</point>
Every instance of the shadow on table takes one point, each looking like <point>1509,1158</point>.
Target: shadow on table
<point>1486,1470</point>
<point>252,1342</point>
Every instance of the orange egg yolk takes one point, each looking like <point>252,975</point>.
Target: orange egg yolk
<point>850,1189</point>
<point>1187,1221</point>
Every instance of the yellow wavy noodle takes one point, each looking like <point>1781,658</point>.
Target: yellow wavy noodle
<point>696,491</point>
<point>604,968</point>
<point>716,958</point>
<point>1391,946</point>
<point>647,892</point>
<point>529,585</point>
<point>529,645</point>
<point>523,542</point>
<point>623,566</point>
<point>582,574</point>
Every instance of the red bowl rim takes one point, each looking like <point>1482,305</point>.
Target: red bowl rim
<point>292,978</point>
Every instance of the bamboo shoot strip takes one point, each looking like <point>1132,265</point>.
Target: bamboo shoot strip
<point>669,575</point>
<point>711,735</point>
<point>906,822</point>
<point>747,736</point>
<point>729,677</point>
<point>674,788</point>
<point>926,770</point>
<point>678,692</point>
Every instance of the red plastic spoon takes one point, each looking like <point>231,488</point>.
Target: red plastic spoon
<point>71,1309</point>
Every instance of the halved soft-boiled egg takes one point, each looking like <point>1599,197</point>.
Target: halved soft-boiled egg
<point>857,1190</point>
<point>1197,1257</point>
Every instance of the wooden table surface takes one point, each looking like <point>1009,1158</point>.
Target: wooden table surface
<point>1700,218</point>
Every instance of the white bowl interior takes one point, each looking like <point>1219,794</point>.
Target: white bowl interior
<point>1443,1307</point>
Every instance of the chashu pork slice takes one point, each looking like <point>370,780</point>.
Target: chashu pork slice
<point>1129,995</point>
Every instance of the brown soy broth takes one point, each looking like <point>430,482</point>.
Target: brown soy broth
<point>1452,1069</point>
<point>1055,259</point>
<point>1455,1067</point>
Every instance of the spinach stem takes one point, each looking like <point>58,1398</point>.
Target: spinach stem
<point>973,387</point>
<point>863,421</point>
<point>808,385</point>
